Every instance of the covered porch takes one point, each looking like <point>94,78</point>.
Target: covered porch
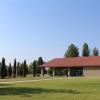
<point>62,71</point>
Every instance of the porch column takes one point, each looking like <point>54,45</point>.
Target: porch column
<point>47,69</point>
<point>68,72</point>
<point>54,72</point>
<point>42,71</point>
<point>48,72</point>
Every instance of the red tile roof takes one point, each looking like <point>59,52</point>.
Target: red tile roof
<point>74,62</point>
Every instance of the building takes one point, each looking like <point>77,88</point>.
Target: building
<point>75,66</point>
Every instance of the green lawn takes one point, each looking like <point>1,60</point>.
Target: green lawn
<point>59,89</point>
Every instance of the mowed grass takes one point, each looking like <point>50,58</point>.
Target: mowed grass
<point>57,89</point>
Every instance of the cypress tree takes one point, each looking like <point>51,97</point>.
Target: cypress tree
<point>3,69</point>
<point>39,62</point>
<point>14,69</point>
<point>18,69</point>
<point>34,68</point>
<point>0,69</point>
<point>21,70</point>
<point>25,69</point>
<point>10,70</point>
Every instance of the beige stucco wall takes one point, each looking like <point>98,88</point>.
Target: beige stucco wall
<point>91,71</point>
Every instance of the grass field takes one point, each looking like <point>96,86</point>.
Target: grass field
<point>58,89</point>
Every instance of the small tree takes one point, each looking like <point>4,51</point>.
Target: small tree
<point>72,51</point>
<point>86,51</point>
<point>3,69</point>
<point>14,69</point>
<point>95,52</point>
<point>10,70</point>
<point>34,68</point>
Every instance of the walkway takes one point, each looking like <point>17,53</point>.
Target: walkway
<point>26,81</point>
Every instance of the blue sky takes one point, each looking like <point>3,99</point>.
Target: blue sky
<point>33,28</point>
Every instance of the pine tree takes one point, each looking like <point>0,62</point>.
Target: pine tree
<point>14,69</point>
<point>72,51</point>
<point>3,69</point>
<point>10,70</point>
<point>86,51</point>
<point>95,52</point>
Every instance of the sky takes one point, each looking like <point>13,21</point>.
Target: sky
<point>44,28</point>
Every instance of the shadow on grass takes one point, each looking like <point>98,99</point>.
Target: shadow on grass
<point>30,91</point>
<point>1,85</point>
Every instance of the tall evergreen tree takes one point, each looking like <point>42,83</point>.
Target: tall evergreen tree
<point>95,52</point>
<point>39,62</point>
<point>25,69</point>
<point>10,70</point>
<point>72,51</point>
<point>21,70</point>
<point>3,69</point>
<point>34,68</point>
<point>86,51</point>
<point>18,69</point>
<point>0,68</point>
<point>14,69</point>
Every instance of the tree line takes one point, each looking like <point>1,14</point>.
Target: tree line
<point>73,51</point>
<point>20,69</point>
